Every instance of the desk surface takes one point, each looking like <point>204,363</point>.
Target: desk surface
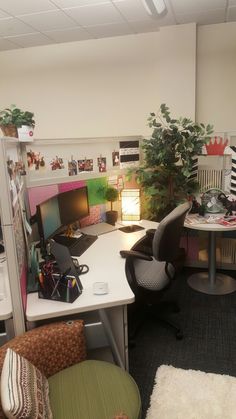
<point>106,265</point>
<point>5,303</point>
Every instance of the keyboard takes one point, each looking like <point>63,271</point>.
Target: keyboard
<point>76,246</point>
<point>66,241</point>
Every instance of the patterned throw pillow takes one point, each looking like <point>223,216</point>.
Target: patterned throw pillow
<point>24,389</point>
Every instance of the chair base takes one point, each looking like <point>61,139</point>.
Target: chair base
<point>160,313</point>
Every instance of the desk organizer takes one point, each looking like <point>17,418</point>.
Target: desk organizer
<point>59,288</point>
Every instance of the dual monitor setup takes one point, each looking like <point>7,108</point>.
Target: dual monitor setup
<point>57,213</point>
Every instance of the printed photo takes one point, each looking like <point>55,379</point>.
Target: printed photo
<point>102,164</point>
<point>57,163</point>
<point>35,160</point>
<point>85,165</point>
<point>72,167</point>
<point>115,158</point>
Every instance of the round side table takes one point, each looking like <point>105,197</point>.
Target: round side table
<point>211,282</point>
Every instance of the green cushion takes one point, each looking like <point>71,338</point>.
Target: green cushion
<point>93,390</point>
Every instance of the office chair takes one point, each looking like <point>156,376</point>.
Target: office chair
<point>151,265</point>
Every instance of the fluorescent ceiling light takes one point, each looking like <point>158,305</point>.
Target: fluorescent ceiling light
<point>154,7</point>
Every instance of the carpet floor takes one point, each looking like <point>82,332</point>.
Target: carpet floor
<point>209,344</point>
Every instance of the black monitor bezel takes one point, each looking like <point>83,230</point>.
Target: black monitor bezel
<point>67,193</point>
<point>44,240</point>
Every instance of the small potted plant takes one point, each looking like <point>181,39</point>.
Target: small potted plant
<point>17,123</point>
<point>111,195</point>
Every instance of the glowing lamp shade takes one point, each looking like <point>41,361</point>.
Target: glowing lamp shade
<point>130,204</point>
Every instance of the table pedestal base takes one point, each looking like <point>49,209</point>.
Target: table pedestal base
<point>223,284</point>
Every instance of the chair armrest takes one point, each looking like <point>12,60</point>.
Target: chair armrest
<point>135,254</point>
<point>150,232</point>
<point>51,347</point>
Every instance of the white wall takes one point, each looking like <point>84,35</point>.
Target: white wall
<point>177,69</point>
<point>216,76</point>
<point>107,87</point>
<point>82,89</point>
<point>103,87</point>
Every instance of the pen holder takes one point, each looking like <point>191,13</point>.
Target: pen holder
<point>59,288</point>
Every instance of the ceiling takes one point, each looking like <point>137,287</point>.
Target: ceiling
<point>28,23</point>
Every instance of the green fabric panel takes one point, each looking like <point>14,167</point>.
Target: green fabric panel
<point>95,193</point>
<point>93,390</point>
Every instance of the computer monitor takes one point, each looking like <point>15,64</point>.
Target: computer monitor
<point>48,218</point>
<point>73,205</point>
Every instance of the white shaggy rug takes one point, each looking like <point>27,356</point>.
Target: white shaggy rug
<point>189,394</point>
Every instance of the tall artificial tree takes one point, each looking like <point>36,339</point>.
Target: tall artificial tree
<point>169,154</point>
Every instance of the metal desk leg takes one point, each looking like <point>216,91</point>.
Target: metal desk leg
<point>110,337</point>
<point>212,282</point>
<point>9,327</point>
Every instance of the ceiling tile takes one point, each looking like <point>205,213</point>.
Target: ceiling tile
<point>132,10</point>
<point>116,29</point>
<point>231,15</point>
<point>69,35</point>
<point>6,45</point>
<point>93,15</point>
<point>30,40</point>
<point>195,6</point>
<point>145,26</point>
<point>48,20</point>
<point>3,15</point>
<point>204,18</point>
<point>16,7</point>
<point>13,26</point>
<point>76,3</point>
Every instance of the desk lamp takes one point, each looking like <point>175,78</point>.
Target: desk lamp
<point>130,204</point>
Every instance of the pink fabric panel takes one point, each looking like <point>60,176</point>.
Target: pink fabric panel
<point>23,284</point>
<point>68,186</point>
<point>95,216</point>
<point>40,194</point>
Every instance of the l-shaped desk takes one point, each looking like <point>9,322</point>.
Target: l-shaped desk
<point>106,265</point>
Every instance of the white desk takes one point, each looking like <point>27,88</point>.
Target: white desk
<point>5,300</point>
<point>211,282</point>
<point>105,264</point>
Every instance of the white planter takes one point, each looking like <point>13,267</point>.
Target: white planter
<point>26,133</point>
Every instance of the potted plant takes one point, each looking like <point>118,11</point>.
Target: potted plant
<point>14,119</point>
<point>111,195</point>
<point>165,176</point>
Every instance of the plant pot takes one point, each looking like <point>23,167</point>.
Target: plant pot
<point>111,217</point>
<point>9,130</point>
<point>25,133</point>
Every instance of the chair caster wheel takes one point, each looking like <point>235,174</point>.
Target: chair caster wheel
<point>179,335</point>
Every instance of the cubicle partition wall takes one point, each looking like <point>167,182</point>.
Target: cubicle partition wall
<point>55,166</point>
<point>12,174</point>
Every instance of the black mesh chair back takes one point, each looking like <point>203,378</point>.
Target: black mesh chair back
<point>167,236</point>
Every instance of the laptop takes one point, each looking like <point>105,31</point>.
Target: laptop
<point>64,261</point>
